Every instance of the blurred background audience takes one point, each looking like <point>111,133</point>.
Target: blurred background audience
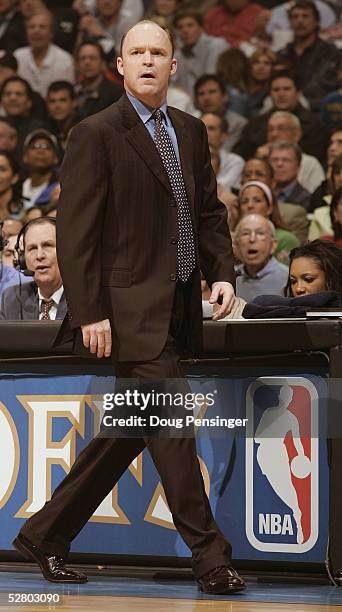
<point>264,76</point>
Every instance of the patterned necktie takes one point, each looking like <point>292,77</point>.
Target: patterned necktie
<point>186,255</point>
<point>45,309</point>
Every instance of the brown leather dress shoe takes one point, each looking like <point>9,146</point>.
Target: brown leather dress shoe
<point>53,568</point>
<point>223,579</point>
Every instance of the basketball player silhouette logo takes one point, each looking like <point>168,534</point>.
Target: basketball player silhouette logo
<point>272,456</point>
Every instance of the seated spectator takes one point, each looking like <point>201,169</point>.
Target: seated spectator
<point>11,33</point>
<point>42,298</point>
<point>314,281</point>
<point>256,197</point>
<point>16,99</point>
<point>322,194</point>
<point>34,212</point>
<point>8,136</point>
<point>314,267</point>
<point>293,216</point>
<point>8,254</point>
<point>313,60</point>
<point>233,68</point>
<point>12,227</point>
<point>285,96</point>
<point>66,20</point>
<point>61,106</point>
<point>10,277</point>
<point>41,159</point>
<point>211,97</point>
<point>198,53</point>
<point>8,66</point>
<point>331,105</point>
<point>336,218</point>
<point>261,63</point>
<point>321,219</point>
<point>259,273</point>
<point>230,164</point>
<point>42,62</point>
<point>11,205</point>
<point>279,27</point>
<point>163,8</point>
<point>233,20</point>
<point>110,23</point>
<point>94,92</point>
<point>285,158</point>
<point>281,126</point>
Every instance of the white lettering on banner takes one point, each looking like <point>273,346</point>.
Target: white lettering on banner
<point>9,455</point>
<point>275,524</point>
<point>43,451</point>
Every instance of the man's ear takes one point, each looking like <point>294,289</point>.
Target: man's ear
<point>173,66</point>
<point>274,246</point>
<point>119,65</point>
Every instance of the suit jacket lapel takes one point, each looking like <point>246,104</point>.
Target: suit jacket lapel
<point>31,305</point>
<point>140,139</point>
<point>61,308</point>
<point>186,154</point>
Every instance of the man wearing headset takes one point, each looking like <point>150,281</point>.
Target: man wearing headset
<point>43,297</point>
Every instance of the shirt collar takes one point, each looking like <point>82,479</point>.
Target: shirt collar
<point>49,59</point>
<point>145,113</point>
<point>194,48</point>
<point>285,192</point>
<point>56,296</point>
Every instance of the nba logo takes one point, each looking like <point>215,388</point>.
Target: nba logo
<point>282,464</point>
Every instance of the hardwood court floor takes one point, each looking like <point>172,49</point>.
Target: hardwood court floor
<point>98,603</point>
<point>139,592</point>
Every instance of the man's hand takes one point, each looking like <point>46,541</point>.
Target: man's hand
<point>98,337</point>
<point>226,292</point>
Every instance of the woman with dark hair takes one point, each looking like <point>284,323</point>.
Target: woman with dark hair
<point>314,267</point>
<point>314,281</point>
<point>261,63</point>
<point>11,205</point>
<point>321,224</point>
<point>233,68</point>
<point>336,219</point>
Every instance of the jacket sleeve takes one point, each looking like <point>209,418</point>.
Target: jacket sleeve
<point>81,208</point>
<point>215,245</point>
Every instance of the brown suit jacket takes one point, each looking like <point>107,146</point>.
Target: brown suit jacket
<point>117,229</point>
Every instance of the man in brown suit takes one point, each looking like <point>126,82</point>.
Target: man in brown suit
<point>138,218</point>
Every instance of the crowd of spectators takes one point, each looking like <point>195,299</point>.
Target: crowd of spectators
<point>264,76</point>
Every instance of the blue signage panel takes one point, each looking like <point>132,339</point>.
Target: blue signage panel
<point>267,478</point>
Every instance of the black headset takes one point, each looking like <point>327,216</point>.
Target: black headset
<point>19,261</point>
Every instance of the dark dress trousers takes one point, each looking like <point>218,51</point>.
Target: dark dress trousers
<point>117,236</point>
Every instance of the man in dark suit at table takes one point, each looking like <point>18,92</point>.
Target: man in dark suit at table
<point>42,298</point>
<point>138,218</point>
